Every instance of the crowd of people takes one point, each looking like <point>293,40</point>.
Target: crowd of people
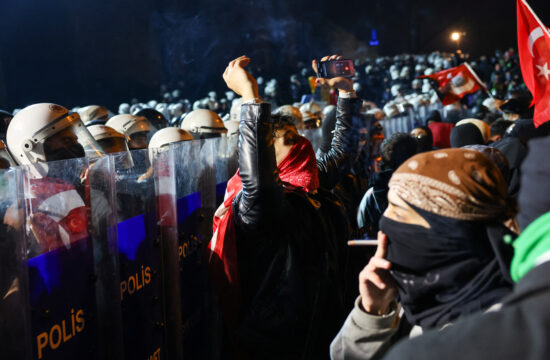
<point>457,206</point>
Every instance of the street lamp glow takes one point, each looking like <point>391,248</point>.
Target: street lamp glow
<point>455,36</point>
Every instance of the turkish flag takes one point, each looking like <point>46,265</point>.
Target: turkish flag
<point>534,56</point>
<point>455,83</point>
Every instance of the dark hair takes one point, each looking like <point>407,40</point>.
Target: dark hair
<point>500,126</point>
<point>425,143</point>
<point>396,149</point>
<point>434,115</point>
<point>280,121</point>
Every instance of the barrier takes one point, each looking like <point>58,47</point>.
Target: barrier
<point>406,122</point>
<point>71,260</point>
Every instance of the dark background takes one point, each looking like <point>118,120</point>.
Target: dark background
<point>109,51</point>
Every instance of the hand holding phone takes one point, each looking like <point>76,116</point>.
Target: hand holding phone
<point>335,68</point>
<point>342,83</point>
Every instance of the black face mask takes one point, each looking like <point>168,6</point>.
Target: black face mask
<point>64,153</point>
<point>443,272</point>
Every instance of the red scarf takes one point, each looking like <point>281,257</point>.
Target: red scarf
<point>298,169</point>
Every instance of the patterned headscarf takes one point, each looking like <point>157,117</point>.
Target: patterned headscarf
<point>458,183</point>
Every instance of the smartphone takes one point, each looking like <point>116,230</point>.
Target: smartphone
<point>335,68</point>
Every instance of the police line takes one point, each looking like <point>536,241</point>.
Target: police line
<point>103,259</point>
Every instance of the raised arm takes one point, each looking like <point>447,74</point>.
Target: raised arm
<point>261,196</point>
<point>333,162</point>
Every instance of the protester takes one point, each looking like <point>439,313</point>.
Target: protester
<point>498,129</point>
<point>395,150</point>
<point>446,258</point>
<point>424,137</point>
<point>466,134</point>
<point>268,221</point>
<point>518,328</point>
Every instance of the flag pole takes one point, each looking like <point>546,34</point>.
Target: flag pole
<point>479,80</point>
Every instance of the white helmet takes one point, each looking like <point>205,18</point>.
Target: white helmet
<point>110,140</point>
<point>32,133</point>
<point>168,136</point>
<point>312,107</point>
<point>6,161</point>
<point>176,109</point>
<point>291,112</point>
<point>395,89</point>
<point>124,108</point>
<point>152,103</point>
<point>203,123</point>
<point>93,114</point>
<point>132,127</point>
<point>236,109</point>
<point>390,110</point>
<point>230,95</point>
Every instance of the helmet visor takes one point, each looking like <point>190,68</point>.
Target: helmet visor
<point>68,138</point>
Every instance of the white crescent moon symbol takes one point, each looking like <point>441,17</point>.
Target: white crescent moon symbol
<point>533,37</point>
<point>457,90</point>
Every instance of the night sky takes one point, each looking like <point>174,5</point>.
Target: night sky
<point>77,53</point>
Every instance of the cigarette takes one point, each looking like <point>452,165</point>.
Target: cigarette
<point>369,242</point>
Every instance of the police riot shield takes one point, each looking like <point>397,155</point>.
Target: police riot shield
<point>15,329</point>
<point>141,297</point>
<point>100,185</point>
<point>195,185</point>
<point>163,164</point>
<point>315,136</point>
<point>70,260</point>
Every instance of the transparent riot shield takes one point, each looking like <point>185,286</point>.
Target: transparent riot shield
<point>70,244</point>
<point>195,187</point>
<point>15,326</point>
<point>163,164</point>
<point>140,290</point>
<point>315,136</point>
<point>100,185</point>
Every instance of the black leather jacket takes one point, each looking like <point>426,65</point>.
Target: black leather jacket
<point>334,163</point>
<point>286,246</point>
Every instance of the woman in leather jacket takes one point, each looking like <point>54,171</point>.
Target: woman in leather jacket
<point>286,229</point>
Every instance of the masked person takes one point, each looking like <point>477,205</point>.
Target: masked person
<point>271,243</point>
<point>440,251</point>
<point>138,130</point>
<point>39,136</point>
<point>518,329</point>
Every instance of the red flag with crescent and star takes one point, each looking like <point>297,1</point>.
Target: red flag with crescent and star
<point>534,56</point>
<point>455,83</point>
